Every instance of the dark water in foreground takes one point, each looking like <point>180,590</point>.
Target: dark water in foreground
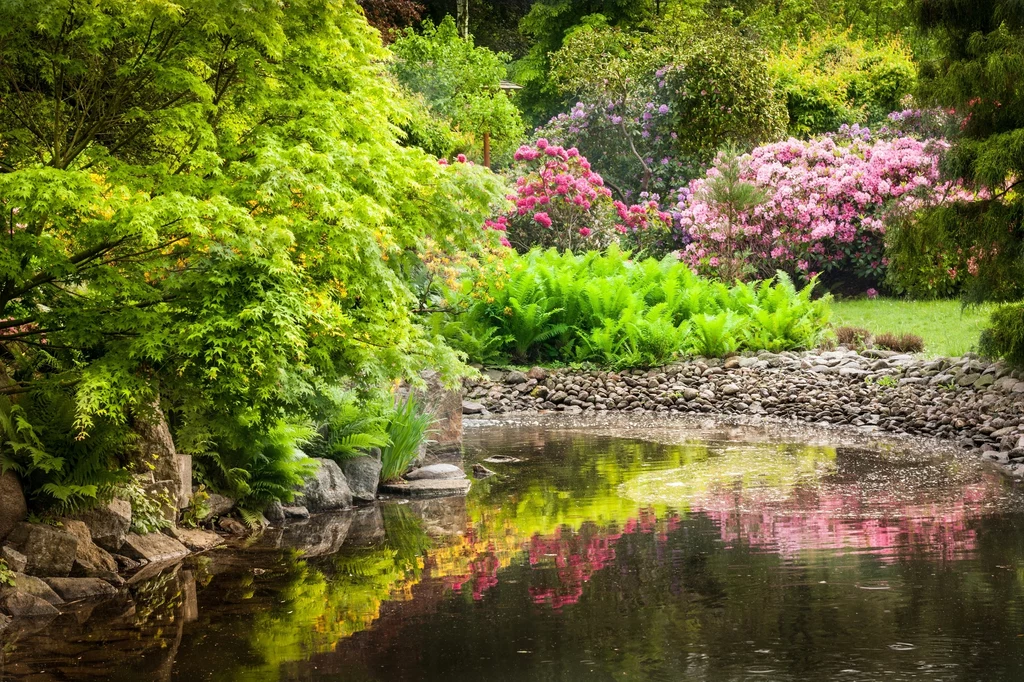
<point>699,557</point>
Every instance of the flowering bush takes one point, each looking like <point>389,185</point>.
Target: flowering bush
<point>558,201</point>
<point>828,200</point>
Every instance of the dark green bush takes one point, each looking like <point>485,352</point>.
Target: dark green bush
<point>1005,337</point>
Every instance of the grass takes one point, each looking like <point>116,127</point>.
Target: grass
<point>947,329</point>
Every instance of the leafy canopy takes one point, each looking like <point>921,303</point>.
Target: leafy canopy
<point>211,200</point>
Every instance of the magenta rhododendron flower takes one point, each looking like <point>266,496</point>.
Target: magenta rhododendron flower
<point>542,218</point>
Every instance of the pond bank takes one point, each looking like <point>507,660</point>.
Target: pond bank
<point>974,404</point>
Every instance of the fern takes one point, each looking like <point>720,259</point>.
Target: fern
<point>407,430</point>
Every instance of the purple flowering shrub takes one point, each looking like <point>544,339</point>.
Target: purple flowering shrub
<point>827,203</point>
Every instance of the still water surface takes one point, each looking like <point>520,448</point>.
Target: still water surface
<point>662,554</point>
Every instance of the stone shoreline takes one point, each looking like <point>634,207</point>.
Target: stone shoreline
<point>975,404</point>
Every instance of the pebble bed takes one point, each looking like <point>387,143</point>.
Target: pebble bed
<point>974,403</point>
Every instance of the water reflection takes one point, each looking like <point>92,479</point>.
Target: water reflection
<point>598,556</point>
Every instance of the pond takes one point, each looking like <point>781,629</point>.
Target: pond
<point>656,552</point>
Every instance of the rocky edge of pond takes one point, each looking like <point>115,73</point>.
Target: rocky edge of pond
<point>95,554</point>
<point>976,404</point>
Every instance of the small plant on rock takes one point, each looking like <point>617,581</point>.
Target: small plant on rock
<point>407,430</point>
<point>6,574</point>
<point>198,509</point>
<point>901,343</point>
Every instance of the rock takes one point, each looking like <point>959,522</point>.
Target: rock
<point>363,476</point>
<point>13,509</point>
<point>29,584</point>
<point>108,523</point>
<point>480,471</point>
<point>326,490</point>
<point>49,551</point>
<point>220,505</point>
<point>321,535</point>
<point>5,622</point>
<point>428,488</point>
<point>195,539</point>
<point>15,560</point>
<point>515,377</point>
<point>732,362</point>
<point>730,389</point>
<point>152,548</point>
<point>436,472</point>
<point>232,526</point>
<point>690,393</point>
<point>502,459</point>
<point>296,512</point>
<point>445,406</point>
<point>73,589</point>
<point>156,447</point>
<point>91,561</point>
<point>125,564</point>
<point>274,512</point>
<point>22,605</point>
<point>469,407</point>
<point>537,374</point>
<point>984,380</point>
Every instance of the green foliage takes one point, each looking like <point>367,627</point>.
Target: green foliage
<point>354,426</point>
<point>269,467</point>
<point>977,71</point>
<point>223,212</point>
<point>607,309</point>
<point>148,510</point>
<point>459,81</point>
<point>6,574</point>
<point>833,79</point>
<point>62,469</point>
<point>407,430</point>
<point>1005,336</point>
<point>198,508</point>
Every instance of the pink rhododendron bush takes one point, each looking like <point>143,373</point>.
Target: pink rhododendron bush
<point>825,209</point>
<point>559,201</point>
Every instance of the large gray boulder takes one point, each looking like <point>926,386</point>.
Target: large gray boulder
<point>49,551</point>
<point>153,547</point>
<point>156,448</point>
<point>326,490</point>
<point>363,476</point>
<point>91,561</point>
<point>196,539</point>
<point>16,561</point>
<point>13,509</point>
<point>436,472</point>
<point>37,587</point>
<point>219,505</point>
<point>74,589</point>
<point>108,523</point>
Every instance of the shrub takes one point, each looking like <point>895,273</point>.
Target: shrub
<point>559,201</point>
<point>352,428</point>
<point>901,343</point>
<point>1005,337</point>
<point>269,467</point>
<point>407,430</point>
<point>608,309</point>
<point>852,337</point>
<point>835,79</point>
<point>826,207</point>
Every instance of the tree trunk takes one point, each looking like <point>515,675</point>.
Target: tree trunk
<point>462,18</point>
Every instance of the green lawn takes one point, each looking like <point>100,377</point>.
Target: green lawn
<point>945,328</point>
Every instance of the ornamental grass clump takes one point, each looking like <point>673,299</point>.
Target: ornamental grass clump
<point>407,430</point>
<point>901,343</point>
<point>852,337</point>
